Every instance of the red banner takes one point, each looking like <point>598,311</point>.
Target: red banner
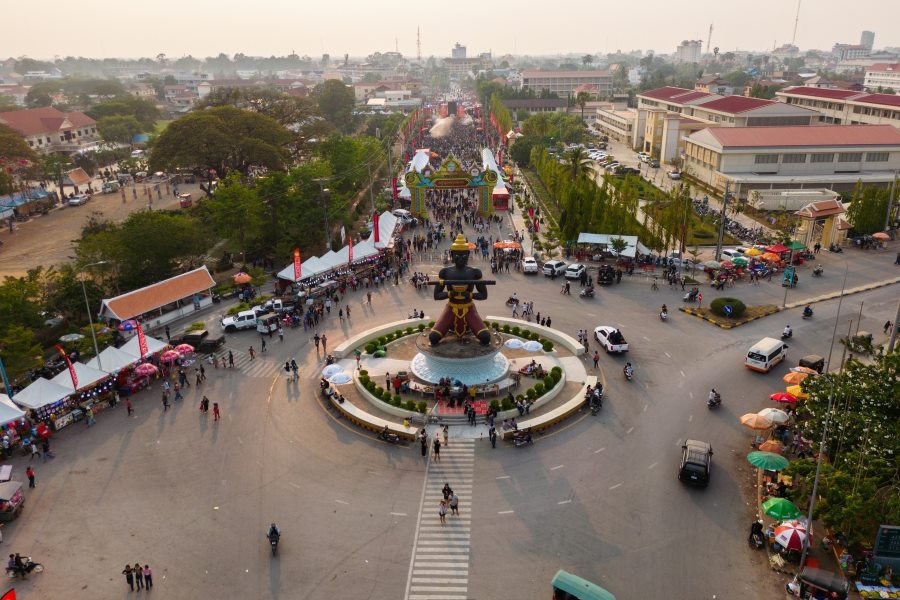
<point>350,250</point>
<point>375,226</point>
<point>530,212</point>
<point>142,341</point>
<point>394,185</point>
<point>536,226</point>
<point>71,368</point>
<point>297,270</point>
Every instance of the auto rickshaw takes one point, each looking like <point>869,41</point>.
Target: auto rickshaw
<point>818,583</point>
<point>571,587</point>
<point>110,187</point>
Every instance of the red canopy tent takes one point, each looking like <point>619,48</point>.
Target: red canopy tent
<point>778,249</point>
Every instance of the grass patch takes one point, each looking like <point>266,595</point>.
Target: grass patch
<point>700,232</point>
<point>752,313</point>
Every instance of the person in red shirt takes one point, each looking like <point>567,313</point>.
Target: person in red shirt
<point>29,473</point>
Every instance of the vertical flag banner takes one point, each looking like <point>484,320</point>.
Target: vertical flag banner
<point>71,368</point>
<point>6,386</point>
<point>297,264</point>
<point>350,251</point>
<point>142,341</point>
<point>375,227</point>
<point>394,185</point>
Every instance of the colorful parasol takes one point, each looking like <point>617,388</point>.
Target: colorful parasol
<point>770,257</point>
<point>508,244</point>
<point>740,261</point>
<point>146,369</point>
<point>242,277</point>
<point>794,378</point>
<point>128,325</point>
<point>712,264</point>
<point>169,356</point>
<point>727,264</point>
<point>184,348</point>
<point>781,509</point>
<point>791,536</point>
<point>755,421</point>
<point>796,245</point>
<point>770,446</point>
<point>783,397</point>
<point>776,415</point>
<point>753,252</point>
<point>768,461</point>
<point>806,370</point>
<point>796,390</point>
<point>881,236</point>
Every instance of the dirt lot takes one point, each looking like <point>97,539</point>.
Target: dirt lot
<point>47,240</point>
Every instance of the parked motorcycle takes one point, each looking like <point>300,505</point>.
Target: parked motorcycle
<point>587,292</point>
<point>691,296</point>
<point>757,540</point>
<point>387,436</point>
<point>817,272</point>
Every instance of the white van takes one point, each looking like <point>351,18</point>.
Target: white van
<point>765,354</point>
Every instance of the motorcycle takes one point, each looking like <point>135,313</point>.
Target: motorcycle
<point>629,373</point>
<point>525,440</point>
<point>663,315</point>
<point>330,359</point>
<point>835,248</point>
<point>808,313</point>
<point>596,403</point>
<point>587,292</point>
<point>512,301</point>
<point>391,438</point>
<point>691,296</point>
<point>817,272</point>
<point>27,567</point>
<point>273,538</point>
<point>789,333</point>
<point>712,403</point>
<point>757,540</point>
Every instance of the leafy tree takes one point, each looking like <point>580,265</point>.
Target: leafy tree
<point>537,126</point>
<point>143,111</point>
<point>522,114</point>
<point>737,78</point>
<point>336,102</point>
<point>119,128</point>
<point>62,293</point>
<point>54,167</point>
<point>15,154</point>
<point>223,138</point>
<point>587,59</point>
<point>581,99</point>
<point>520,151</point>
<point>868,208</point>
<point>235,211</point>
<point>578,164</point>
<point>20,351</point>
<point>618,245</point>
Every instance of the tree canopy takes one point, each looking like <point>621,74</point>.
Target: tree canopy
<point>336,101</point>
<point>868,209</point>
<point>143,111</point>
<point>15,154</point>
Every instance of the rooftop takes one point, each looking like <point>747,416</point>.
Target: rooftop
<point>43,120</point>
<point>735,104</point>
<point>820,92</point>
<point>801,136</point>
<point>883,67</point>
<point>145,299</point>
<point>541,73</point>
<point>674,94</point>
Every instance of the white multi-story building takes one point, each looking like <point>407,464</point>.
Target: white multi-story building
<point>617,124</point>
<point>565,83</point>
<point>845,107</point>
<point>689,51</point>
<point>763,158</point>
<point>883,75</point>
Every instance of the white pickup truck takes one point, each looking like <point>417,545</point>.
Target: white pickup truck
<point>611,339</point>
<point>246,319</point>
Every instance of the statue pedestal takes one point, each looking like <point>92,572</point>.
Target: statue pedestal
<point>463,359</point>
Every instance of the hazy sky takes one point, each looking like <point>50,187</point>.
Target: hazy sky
<point>102,28</point>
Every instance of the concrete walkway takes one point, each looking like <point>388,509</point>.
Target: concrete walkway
<point>838,294</point>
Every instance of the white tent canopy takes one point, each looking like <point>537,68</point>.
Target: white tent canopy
<point>364,249</point>
<point>387,222</point>
<point>42,392</point>
<point>311,267</point>
<point>86,375</point>
<point>133,347</point>
<point>111,360</point>
<point>8,410</point>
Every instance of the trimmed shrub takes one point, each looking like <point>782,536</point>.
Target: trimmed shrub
<point>379,393</point>
<point>556,371</point>
<point>495,404</point>
<point>422,406</point>
<point>737,307</point>
<point>421,327</point>
<point>411,405</point>
<point>396,400</point>
<point>430,324</point>
<point>398,334</point>
<point>370,348</point>
<point>382,341</point>
<point>197,326</point>
<point>516,330</point>
<point>409,330</point>
<point>520,397</point>
<point>370,386</point>
<point>240,306</point>
<point>549,382</point>
<point>495,326</point>
<point>505,328</point>
<point>531,394</point>
<point>363,373</point>
<point>364,379</point>
<point>506,404</point>
<point>539,389</point>
<point>548,345</point>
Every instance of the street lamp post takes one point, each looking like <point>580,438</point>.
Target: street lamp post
<point>323,196</point>
<point>87,305</point>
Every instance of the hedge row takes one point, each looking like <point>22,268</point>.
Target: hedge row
<point>385,395</point>
<point>532,393</point>
<point>522,332</point>
<point>387,338</point>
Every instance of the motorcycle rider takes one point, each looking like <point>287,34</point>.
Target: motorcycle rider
<point>665,311</point>
<point>714,397</point>
<point>808,311</point>
<point>628,370</point>
<point>274,533</point>
<point>788,332</point>
<point>514,299</point>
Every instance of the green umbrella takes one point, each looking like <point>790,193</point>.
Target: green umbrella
<point>767,460</point>
<point>795,245</point>
<point>739,260</point>
<point>712,264</point>
<point>781,509</point>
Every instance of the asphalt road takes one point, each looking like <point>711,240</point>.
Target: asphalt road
<point>597,496</point>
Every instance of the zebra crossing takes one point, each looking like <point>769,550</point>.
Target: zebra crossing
<point>261,366</point>
<point>439,567</point>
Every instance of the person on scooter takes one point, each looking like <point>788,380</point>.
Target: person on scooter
<point>756,530</point>
<point>628,370</point>
<point>664,312</point>
<point>788,332</point>
<point>274,533</point>
<point>714,397</point>
<point>808,311</point>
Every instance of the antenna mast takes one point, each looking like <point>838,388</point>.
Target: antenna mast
<point>709,38</point>
<point>796,22</point>
<point>418,44</point>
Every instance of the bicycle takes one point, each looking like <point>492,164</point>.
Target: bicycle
<point>654,287</point>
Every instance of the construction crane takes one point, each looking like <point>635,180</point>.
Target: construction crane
<point>796,23</point>
<point>418,44</point>
<point>709,38</point>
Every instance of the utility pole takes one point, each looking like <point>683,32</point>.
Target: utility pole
<point>323,196</point>
<point>894,330</point>
<point>887,217</point>
<point>796,23</point>
<point>722,223</point>
<point>371,183</point>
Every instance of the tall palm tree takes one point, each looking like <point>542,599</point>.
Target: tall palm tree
<point>581,100</point>
<point>578,164</point>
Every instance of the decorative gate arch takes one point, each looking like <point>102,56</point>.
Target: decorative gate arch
<point>451,175</point>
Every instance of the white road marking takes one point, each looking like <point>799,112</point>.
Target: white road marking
<point>682,373</point>
<point>341,501</point>
<point>396,514</point>
<point>599,451</point>
<point>645,407</point>
<point>503,477</point>
<point>629,430</point>
<point>691,394</point>
<point>296,486</point>
<point>653,465</point>
<point>564,502</point>
<point>556,467</point>
<point>612,487</point>
<point>240,441</point>
<point>646,339</point>
<point>505,512</point>
<point>668,355</point>
<point>690,418</point>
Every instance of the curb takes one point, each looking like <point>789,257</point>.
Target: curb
<point>726,324</point>
<point>833,295</point>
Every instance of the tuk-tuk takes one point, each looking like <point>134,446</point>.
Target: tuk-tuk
<point>110,187</point>
<point>571,587</point>
<point>814,362</point>
<point>185,200</point>
<point>11,500</point>
<point>817,583</point>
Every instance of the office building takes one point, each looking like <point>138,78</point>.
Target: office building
<point>565,83</point>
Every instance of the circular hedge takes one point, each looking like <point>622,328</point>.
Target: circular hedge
<point>735,308</point>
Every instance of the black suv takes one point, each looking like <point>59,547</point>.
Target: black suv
<point>696,458</point>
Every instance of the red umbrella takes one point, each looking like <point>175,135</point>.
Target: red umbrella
<point>146,369</point>
<point>783,397</point>
<point>169,356</point>
<point>242,277</point>
<point>791,536</point>
<point>184,348</point>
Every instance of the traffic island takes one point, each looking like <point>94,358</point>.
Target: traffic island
<point>750,314</point>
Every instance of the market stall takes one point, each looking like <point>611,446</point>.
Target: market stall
<point>133,346</point>
<point>90,389</point>
<point>112,360</point>
<point>45,398</point>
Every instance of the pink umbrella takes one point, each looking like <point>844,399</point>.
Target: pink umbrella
<point>783,397</point>
<point>169,356</point>
<point>146,369</point>
<point>184,348</point>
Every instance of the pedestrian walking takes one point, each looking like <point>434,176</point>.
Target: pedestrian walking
<point>454,504</point>
<point>29,473</point>
<point>492,435</point>
<point>199,378</point>
<point>324,344</point>
<point>548,321</point>
<point>34,450</point>
<point>446,432</point>
<point>129,577</point>
<point>89,416</point>
<point>280,334</point>
<point>165,400</point>
<point>204,405</point>
<point>423,441</point>
<point>437,449</point>
<point>138,575</point>
<point>887,327</point>
<point>596,359</point>
<point>341,314</point>
<point>252,352</point>
<point>262,344</point>
<point>295,370</point>
<point>317,339</point>
<point>369,298</point>
<point>442,511</point>
<point>230,359</point>
<point>178,395</point>
<point>699,299</point>
<point>215,411</point>
<point>358,356</point>
<point>148,577</point>
<point>168,337</point>
<point>45,450</point>
<point>515,310</point>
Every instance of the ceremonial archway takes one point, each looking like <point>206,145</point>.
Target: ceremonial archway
<point>451,175</point>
